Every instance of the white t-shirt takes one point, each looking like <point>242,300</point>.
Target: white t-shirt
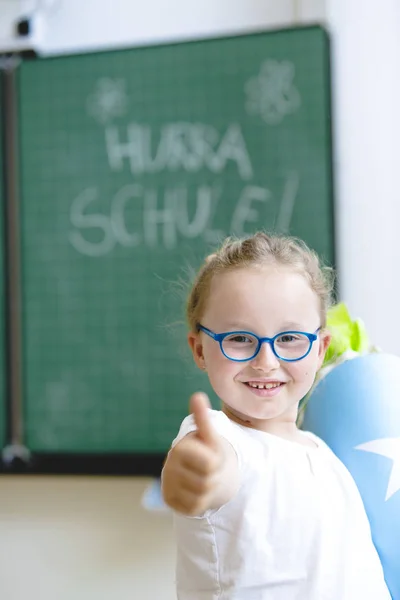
<point>295,530</point>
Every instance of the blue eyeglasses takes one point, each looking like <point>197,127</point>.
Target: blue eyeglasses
<point>242,346</point>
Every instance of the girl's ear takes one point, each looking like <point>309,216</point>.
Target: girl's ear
<point>325,337</point>
<point>196,346</point>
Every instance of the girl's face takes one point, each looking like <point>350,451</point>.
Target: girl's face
<point>264,301</point>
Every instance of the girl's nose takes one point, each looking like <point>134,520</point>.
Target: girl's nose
<point>265,359</point>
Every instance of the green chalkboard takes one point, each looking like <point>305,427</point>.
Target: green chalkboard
<point>3,400</point>
<point>134,164</point>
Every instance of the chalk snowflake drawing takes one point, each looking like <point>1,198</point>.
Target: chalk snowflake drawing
<point>109,100</point>
<point>272,93</point>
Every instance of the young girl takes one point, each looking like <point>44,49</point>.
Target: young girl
<point>263,511</point>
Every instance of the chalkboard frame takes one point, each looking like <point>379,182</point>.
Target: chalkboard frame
<point>141,465</point>
<point>5,434</point>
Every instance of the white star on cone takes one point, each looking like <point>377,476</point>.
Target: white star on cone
<point>389,447</point>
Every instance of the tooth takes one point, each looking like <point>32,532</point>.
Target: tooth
<point>262,386</point>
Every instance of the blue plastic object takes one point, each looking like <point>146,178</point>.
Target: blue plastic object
<point>355,409</point>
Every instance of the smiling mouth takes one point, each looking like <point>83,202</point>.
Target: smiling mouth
<point>264,386</point>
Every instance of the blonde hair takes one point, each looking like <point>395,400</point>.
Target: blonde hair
<point>259,250</point>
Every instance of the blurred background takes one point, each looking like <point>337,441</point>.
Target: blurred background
<point>68,530</point>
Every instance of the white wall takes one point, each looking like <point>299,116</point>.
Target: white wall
<point>122,24</point>
<point>366,100</point>
<point>73,25</point>
<point>89,539</point>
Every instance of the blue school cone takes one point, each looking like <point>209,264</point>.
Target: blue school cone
<point>355,409</point>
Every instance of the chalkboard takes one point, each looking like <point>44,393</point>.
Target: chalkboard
<point>134,164</point>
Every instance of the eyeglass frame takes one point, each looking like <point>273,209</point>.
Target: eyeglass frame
<point>219,337</point>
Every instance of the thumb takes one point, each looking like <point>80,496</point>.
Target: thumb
<point>199,406</point>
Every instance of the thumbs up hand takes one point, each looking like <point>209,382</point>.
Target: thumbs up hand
<point>199,406</point>
<point>191,474</point>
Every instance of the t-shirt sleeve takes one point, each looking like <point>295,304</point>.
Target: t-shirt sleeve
<point>222,425</point>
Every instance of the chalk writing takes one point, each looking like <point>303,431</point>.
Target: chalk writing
<point>287,203</point>
<point>187,146</point>
<point>272,93</point>
<point>160,217</point>
<point>109,100</point>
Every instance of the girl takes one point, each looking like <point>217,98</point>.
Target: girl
<point>263,511</point>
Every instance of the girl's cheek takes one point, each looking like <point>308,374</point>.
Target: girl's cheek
<point>300,373</point>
